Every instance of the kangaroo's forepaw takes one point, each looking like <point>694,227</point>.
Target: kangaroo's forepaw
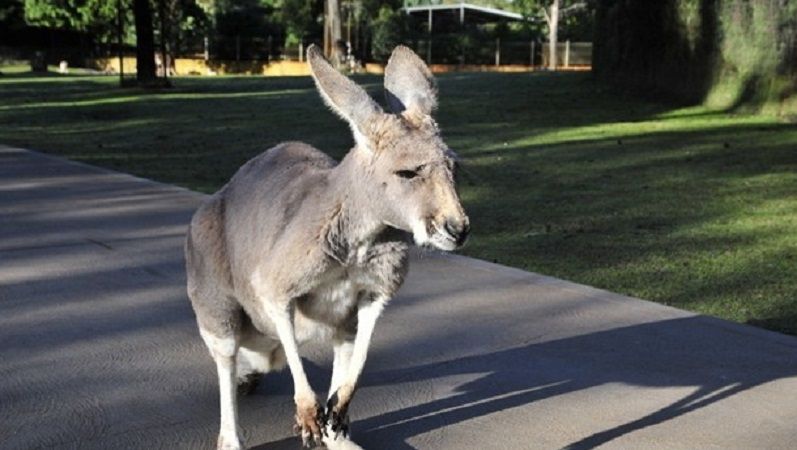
<point>309,423</point>
<point>336,415</point>
<point>339,425</point>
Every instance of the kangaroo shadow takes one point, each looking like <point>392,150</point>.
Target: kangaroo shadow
<point>718,362</point>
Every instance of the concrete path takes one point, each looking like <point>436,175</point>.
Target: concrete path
<point>98,345</point>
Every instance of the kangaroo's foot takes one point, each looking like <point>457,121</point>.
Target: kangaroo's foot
<point>309,422</point>
<point>248,383</point>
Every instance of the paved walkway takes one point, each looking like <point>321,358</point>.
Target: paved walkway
<point>98,346</point>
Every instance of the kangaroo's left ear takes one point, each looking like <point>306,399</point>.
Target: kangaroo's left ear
<point>343,95</point>
<point>409,85</point>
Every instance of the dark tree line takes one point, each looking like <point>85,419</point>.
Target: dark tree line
<point>259,29</point>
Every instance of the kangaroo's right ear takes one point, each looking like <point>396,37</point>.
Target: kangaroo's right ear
<point>341,94</point>
<point>409,84</point>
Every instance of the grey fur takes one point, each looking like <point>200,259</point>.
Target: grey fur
<point>297,247</point>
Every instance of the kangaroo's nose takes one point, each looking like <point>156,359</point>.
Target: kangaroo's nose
<point>458,229</point>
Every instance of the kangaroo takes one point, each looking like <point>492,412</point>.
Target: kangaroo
<point>298,247</point>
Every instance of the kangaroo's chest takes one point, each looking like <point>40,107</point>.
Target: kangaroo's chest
<point>333,299</point>
<point>374,270</point>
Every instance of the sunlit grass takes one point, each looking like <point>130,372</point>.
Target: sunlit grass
<point>682,205</point>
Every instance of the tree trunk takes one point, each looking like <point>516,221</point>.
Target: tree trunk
<point>145,43</point>
<point>332,30</point>
<point>164,38</point>
<point>120,42</point>
<point>553,34</point>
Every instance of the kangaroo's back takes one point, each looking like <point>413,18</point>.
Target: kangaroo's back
<point>242,222</point>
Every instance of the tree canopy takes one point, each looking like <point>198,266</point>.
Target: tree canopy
<point>95,16</point>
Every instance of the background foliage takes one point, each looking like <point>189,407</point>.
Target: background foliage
<point>267,29</point>
<point>728,53</point>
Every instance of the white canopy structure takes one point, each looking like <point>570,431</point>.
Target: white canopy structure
<point>474,12</point>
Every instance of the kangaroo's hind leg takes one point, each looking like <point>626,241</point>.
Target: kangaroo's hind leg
<point>223,349</point>
<point>257,355</point>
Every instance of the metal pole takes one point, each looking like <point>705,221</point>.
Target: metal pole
<point>497,51</point>
<point>429,42</point>
<point>462,28</point>
<point>567,53</point>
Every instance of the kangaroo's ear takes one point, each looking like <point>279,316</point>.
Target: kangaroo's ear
<point>343,95</point>
<point>409,84</point>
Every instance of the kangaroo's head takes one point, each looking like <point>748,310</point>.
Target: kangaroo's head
<point>403,164</point>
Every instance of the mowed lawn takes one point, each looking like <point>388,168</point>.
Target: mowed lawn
<point>683,206</point>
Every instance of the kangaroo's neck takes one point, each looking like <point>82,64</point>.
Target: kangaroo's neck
<point>355,203</point>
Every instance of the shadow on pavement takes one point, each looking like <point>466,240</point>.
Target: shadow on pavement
<point>671,353</point>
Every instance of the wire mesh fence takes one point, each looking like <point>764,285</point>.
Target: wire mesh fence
<point>454,49</point>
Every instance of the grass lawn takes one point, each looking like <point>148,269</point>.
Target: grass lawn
<point>683,206</point>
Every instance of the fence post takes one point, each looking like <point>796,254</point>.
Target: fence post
<point>567,53</point>
<point>497,51</point>
<point>532,54</point>
<point>301,51</point>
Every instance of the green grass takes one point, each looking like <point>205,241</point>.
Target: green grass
<point>684,206</point>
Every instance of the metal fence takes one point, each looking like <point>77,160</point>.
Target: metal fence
<point>569,54</point>
<point>453,49</point>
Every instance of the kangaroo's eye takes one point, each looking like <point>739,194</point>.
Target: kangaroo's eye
<point>408,174</point>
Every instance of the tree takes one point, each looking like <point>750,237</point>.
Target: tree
<point>97,17</point>
<point>727,54</point>
<point>332,29</point>
<point>190,25</point>
<point>145,43</point>
<point>552,11</point>
<point>101,18</point>
<point>301,18</point>
<point>388,30</point>
<point>236,25</point>
<point>12,13</point>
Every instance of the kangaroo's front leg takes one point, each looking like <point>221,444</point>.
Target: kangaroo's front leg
<point>338,404</point>
<point>308,412</point>
<point>343,347</point>
<point>385,266</point>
